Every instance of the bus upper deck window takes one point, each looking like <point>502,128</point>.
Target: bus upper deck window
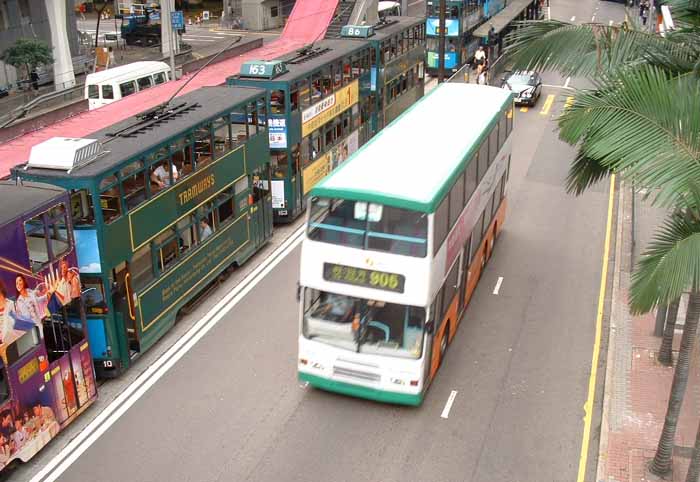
<point>93,92</point>
<point>107,92</point>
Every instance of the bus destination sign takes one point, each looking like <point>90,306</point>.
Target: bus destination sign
<point>367,278</point>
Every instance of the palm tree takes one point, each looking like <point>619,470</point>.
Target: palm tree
<point>666,351</point>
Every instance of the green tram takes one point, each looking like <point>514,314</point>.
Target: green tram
<point>398,71</point>
<point>163,205</point>
<point>320,104</point>
<point>330,98</point>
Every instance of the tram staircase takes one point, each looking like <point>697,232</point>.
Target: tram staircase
<point>340,18</point>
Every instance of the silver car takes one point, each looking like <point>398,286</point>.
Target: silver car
<point>526,85</point>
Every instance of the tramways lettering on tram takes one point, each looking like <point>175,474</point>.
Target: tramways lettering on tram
<point>196,189</point>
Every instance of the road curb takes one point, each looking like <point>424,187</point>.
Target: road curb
<point>610,357</point>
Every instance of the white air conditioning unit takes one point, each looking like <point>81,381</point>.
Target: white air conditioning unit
<point>64,153</point>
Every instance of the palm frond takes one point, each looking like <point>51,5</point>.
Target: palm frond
<point>686,13</point>
<point>583,173</point>
<point>644,124</point>
<point>670,266</point>
<point>589,49</point>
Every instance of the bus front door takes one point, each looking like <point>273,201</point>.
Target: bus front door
<point>123,302</point>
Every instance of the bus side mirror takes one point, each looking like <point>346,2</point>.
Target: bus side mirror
<point>298,291</point>
<point>430,327</point>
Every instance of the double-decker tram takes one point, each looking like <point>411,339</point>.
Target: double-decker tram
<point>461,18</point>
<point>396,241</point>
<point>46,372</point>
<point>163,204</point>
<point>398,70</point>
<point>320,106</point>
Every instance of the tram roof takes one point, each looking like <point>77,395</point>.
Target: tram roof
<point>211,102</point>
<point>395,25</point>
<point>19,198</point>
<point>413,161</point>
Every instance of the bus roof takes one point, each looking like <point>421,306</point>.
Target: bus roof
<point>412,162</point>
<point>129,71</point>
<point>208,102</point>
<point>19,198</point>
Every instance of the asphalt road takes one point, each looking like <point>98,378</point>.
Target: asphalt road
<point>231,409</point>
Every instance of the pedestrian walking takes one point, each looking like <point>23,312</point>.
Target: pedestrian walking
<point>34,76</point>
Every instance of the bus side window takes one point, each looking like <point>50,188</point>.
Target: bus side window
<point>107,91</point>
<point>127,88</point>
<point>93,92</point>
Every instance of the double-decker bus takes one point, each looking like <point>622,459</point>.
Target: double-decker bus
<point>164,205</point>
<point>461,18</point>
<point>319,109</point>
<point>46,372</point>
<point>398,70</point>
<point>396,241</point>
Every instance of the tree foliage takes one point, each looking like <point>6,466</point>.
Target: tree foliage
<point>28,53</point>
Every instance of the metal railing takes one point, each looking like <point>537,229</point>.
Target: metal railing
<point>49,99</point>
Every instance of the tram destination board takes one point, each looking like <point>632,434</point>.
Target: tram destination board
<point>367,278</point>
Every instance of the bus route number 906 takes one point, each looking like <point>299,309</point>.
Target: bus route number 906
<point>381,280</point>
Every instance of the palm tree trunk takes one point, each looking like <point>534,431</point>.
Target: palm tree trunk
<point>661,465</point>
<point>666,350</point>
<point>694,470</point>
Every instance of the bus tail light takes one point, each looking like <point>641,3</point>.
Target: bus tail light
<point>414,383</point>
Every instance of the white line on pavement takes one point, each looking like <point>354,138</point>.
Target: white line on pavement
<point>498,285</point>
<point>610,23</point>
<point>446,411</point>
<point>94,430</point>
<point>566,84</point>
<point>593,18</point>
<point>203,36</point>
<point>573,19</point>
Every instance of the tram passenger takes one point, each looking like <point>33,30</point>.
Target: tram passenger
<point>161,175</point>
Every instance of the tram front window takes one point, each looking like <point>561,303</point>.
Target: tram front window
<point>362,325</point>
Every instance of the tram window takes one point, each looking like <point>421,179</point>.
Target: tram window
<point>93,294</point>
<point>202,144</point>
<point>454,12</point>
<point>326,81</point>
<point>182,157</point>
<point>338,128</point>
<point>279,165</point>
<point>222,137</point>
<point>330,137</point>
<point>493,144</point>
<point>252,118</point>
<point>23,345</point>
<point>355,59</point>
<point>316,87</point>
<point>262,114</point>
<point>186,233</point>
<point>315,144</point>
<point>144,83</point>
<point>168,247</point>
<point>294,98</point>
<point>141,267</point>
<point>470,179</point>
<point>304,94</point>
<point>277,102</point>
<point>441,222</point>
<point>347,71</point>
<point>36,242</point>
<point>134,184</point>
<point>58,232</point>
<point>110,203</point>
<point>4,386</point>
<point>239,128</point>
<point>456,200</point>
<point>483,158</point>
<point>127,88</point>
<point>225,208</point>
<point>81,208</point>
<point>337,74</point>
<point>107,92</point>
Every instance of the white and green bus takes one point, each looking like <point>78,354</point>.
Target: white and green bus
<point>396,241</point>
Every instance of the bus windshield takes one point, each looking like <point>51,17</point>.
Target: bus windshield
<point>369,226</point>
<point>365,326</point>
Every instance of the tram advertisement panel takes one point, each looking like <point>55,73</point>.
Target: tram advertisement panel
<point>338,154</point>
<point>432,27</point>
<point>329,108</point>
<point>37,393</point>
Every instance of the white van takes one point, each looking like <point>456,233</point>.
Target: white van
<point>107,86</point>
<point>388,9</point>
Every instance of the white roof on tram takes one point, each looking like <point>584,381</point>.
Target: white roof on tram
<point>412,162</point>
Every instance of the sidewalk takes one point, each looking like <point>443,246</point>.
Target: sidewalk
<point>636,385</point>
